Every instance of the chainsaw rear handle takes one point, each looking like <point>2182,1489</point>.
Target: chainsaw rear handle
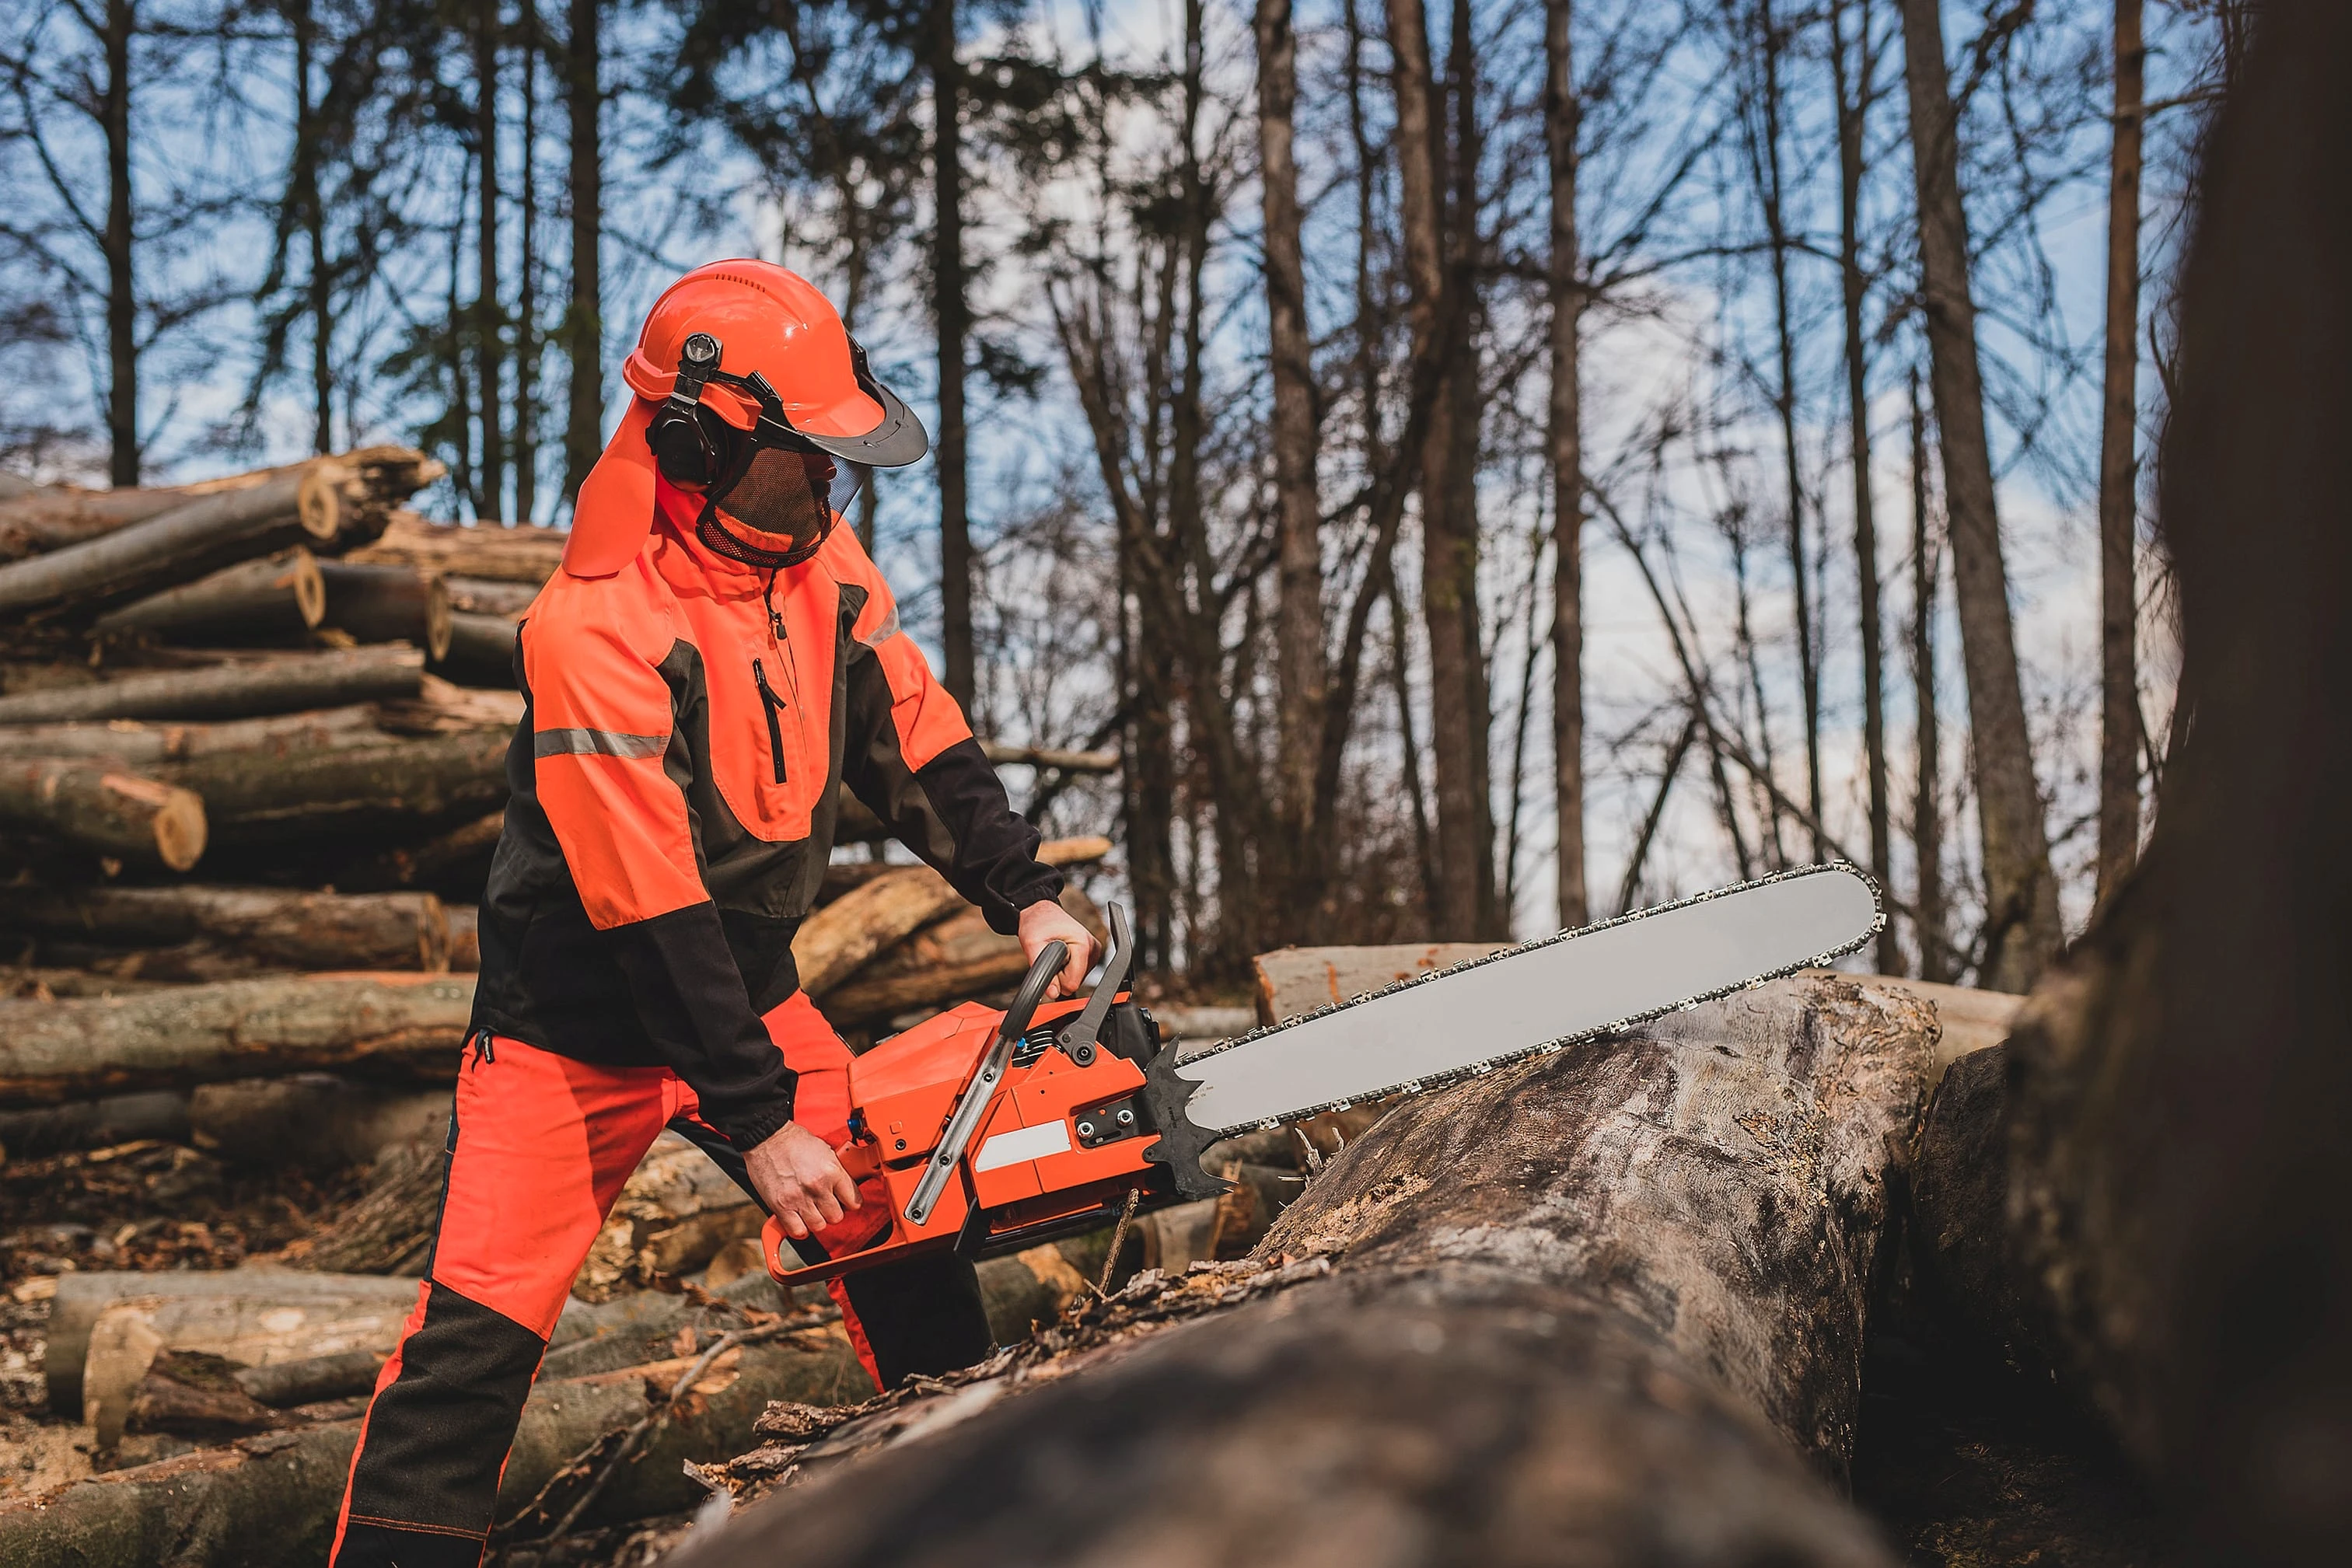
<point>972,1105</point>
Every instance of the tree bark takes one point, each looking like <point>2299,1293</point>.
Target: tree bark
<point>275,928</point>
<point>54,1052</point>
<point>188,542</point>
<point>509,555</point>
<point>382,603</point>
<point>1927,797</point>
<point>489,596</point>
<point>951,315</point>
<point>1563,115</point>
<point>100,807</point>
<point>584,320</point>
<point>2023,932</point>
<point>2120,727</point>
<point>1643,1263</point>
<point>265,600</point>
<point>1299,662</point>
<point>121,236</point>
<point>1852,106</point>
<point>230,690</point>
<point>2177,1087</point>
<point>452,863</point>
<point>377,790</point>
<point>50,517</point>
<point>147,746</point>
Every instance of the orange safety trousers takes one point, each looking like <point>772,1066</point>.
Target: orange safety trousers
<point>539,1148</point>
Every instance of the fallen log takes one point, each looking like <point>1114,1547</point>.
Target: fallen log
<point>105,809</point>
<point>269,1501</point>
<point>1047,757</point>
<point>491,596</point>
<point>404,1024</point>
<point>192,538</point>
<point>139,745</point>
<point>1605,1306</point>
<point>160,1115</point>
<point>832,943</point>
<point>1295,980</point>
<point>49,517</point>
<point>266,600</point>
<point>386,602</point>
<point>402,786</point>
<point>956,960</point>
<point>457,859</point>
<point>476,549</point>
<point>266,927</point>
<point>480,651</point>
<point>236,689</point>
<point>674,1214</point>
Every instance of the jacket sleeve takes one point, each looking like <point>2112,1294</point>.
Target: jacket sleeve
<point>601,717</point>
<point>910,756</point>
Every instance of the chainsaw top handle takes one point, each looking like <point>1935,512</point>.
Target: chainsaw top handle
<point>972,1105</point>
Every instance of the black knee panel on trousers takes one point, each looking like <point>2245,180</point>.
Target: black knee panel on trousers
<point>921,1317</point>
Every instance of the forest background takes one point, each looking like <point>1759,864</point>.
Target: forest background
<point>1266,347</point>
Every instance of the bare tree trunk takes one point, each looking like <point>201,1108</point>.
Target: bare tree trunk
<point>526,392</point>
<point>2120,723</point>
<point>1563,113</point>
<point>121,303</point>
<point>314,227</point>
<point>1853,105</point>
<point>2022,930</point>
<point>1927,799</point>
<point>1764,160</point>
<point>1300,622</point>
<point>1464,428</point>
<point>490,479</point>
<point>952,315</point>
<point>583,322</point>
<point>1448,608</point>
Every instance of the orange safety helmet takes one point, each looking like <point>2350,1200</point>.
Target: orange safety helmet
<point>769,324</point>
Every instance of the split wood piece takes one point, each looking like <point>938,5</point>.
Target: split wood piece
<point>674,1214</point>
<point>105,809</point>
<point>479,651</point>
<point>378,791</point>
<point>271,927</point>
<point>1612,1296</point>
<point>465,922</point>
<point>269,1501</point>
<point>193,1394</point>
<point>1025,1290</point>
<point>489,596</point>
<point>145,745</point>
<point>192,538</point>
<point>243,688</point>
<point>956,960</point>
<point>1050,758</point>
<point>49,517</point>
<point>1293,981</point>
<point>468,549</point>
<point>389,1230</point>
<point>836,940</point>
<point>54,1052</point>
<point>386,602</point>
<point>262,601</point>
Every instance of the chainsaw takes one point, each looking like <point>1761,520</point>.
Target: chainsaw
<point>989,1131</point>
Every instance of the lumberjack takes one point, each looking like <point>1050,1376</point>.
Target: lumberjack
<point>717,657</point>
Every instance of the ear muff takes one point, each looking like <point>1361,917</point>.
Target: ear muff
<point>692,446</point>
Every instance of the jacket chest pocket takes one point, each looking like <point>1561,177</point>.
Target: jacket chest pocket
<point>772,707</point>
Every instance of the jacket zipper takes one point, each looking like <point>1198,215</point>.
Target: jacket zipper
<point>774,706</point>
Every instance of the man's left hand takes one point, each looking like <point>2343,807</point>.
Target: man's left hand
<point>1046,921</point>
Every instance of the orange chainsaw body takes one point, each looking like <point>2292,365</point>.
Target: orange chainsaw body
<point>1051,1154</point>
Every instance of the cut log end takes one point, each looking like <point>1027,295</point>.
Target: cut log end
<point>320,501</point>
<point>309,588</point>
<point>180,830</point>
<point>439,622</point>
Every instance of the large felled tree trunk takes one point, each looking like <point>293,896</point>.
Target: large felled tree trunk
<point>2020,895</point>
<point>232,690</point>
<point>2177,1091</point>
<point>267,928</point>
<point>1604,1306</point>
<point>98,806</point>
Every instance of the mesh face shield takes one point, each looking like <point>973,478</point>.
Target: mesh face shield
<point>773,506</point>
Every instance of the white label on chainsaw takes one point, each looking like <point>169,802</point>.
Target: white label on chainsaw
<point>1027,1143</point>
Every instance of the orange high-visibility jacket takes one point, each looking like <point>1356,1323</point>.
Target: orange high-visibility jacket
<point>687,722</point>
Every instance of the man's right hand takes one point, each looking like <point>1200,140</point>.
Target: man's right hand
<point>800,1178</point>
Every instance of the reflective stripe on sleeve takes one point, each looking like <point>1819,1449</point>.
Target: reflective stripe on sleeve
<point>597,743</point>
<point>885,632</point>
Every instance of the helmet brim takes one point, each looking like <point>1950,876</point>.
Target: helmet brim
<point>899,439</point>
